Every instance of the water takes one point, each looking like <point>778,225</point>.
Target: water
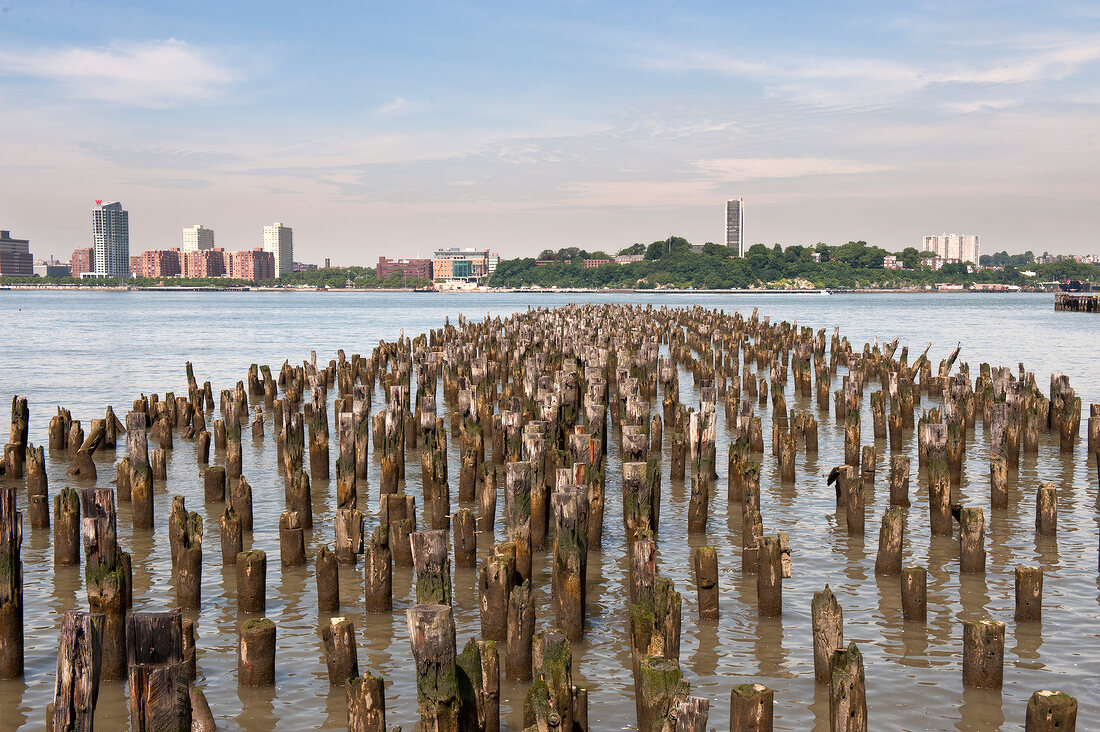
<point>85,350</point>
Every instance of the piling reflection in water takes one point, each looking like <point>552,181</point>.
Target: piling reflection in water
<point>739,647</point>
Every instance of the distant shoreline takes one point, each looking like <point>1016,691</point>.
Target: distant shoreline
<point>507,290</point>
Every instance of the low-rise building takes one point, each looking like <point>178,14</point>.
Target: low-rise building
<point>254,265</point>
<point>83,260</point>
<point>892,262</point>
<point>303,267</point>
<point>468,264</point>
<point>593,263</point>
<point>158,263</point>
<point>420,268</point>
<point>15,256</point>
<point>52,268</point>
<point>628,258</point>
<point>938,262</point>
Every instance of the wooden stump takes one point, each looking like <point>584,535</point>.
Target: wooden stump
<point>705,564</point>
<point>751,708</point>
<point>1029,594</point>
<point>971,540</point>
<point>983,653</point>
<point>11,581</point>
<point>252,581</point>
<point>366,704</point>
<point>256,653</point>
<point>76,685</point>
<point>1051,711</point>
<point>890,537</point>
<point>159,681</point>
<point>827,620</point>
<point>847,692</point>
<point>914,593</point>
<point>341,652</point>
<point>379,573</point>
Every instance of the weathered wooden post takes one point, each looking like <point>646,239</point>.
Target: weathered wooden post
<point>11,579</point>
<point>292,543</point>
<point>241,499</point>
<point>751,708</point>
<point>569,576</point>
<point>328,581</point>
<point>983,653</point>
<point>769,578</point>
<point>1046,510</point>
<point>366,704</point>
<point>1029,594</point>
<point>1051,711</point>
<point>66,528</point>
<point>971,540</point>
<point>252,581</point>
<point>495,584</point>
<point>346,494</point>
<point>105,576</point>
<point>189,563</point>
<point>432,634</point>
<point>705,564</point>
<point>38,501</point>
<point>827,620</point>
<point>256,653</point>
<point>349,535</point>
<point>231,539</point>
<point>76,684</point>
<point>847,691</point>
<point>432,566</point>
<point>899,480</point>
<point>159,681</point>
<point>855,511</point>
<point>213,483</point>
<point>141,475</point>
<point>341,652</point>
<point>914,593</point>
<point>379,572</point>
<point>890,536</point>
<point>521,628</point>
<point>518,508</point>
<point>465,540</point>
<point>998,481</point>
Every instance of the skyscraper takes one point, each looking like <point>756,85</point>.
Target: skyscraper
<point>279,240</point>
<point>963,247</point>
<point>197,238</point>
<point>735,225</point>
<point>111,237</point>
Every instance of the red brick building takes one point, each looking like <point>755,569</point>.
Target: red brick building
<point>421,268</point>
<point>254,265</point>
<point>204,263</point>
<point>159,263</point>
<point>83,260</point>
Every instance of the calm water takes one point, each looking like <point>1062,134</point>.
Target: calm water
<point>86,350</point>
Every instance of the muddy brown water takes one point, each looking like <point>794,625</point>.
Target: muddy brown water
<point>85,350</point>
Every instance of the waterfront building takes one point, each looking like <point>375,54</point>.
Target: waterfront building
<point>203,263</point>
<point>158,263</point>
<point>494,260</point>
<point>938,262</point>
<point>735,225</point>
<point>254,265</point>
<point>15,255</point>
<point>52,268</point>
<point>111,239</point>
<point>964,247</point>
<point>467,265</point>
<point>197,238</point>
<point>279,240</point>
<point>420,268</point>
<point>82,261</point>
<point>892,262</point>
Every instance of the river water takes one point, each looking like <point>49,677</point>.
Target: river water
<point>85,350</point>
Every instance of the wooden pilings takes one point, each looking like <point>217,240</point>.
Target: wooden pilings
<point>159,681</point>
<point>11,581</point>
<point>79,665</point>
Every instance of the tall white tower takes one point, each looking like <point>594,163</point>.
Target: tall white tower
<point>279,240</point>
<point>111,240</point>
<point>197,238</point>
<point>735,225</point>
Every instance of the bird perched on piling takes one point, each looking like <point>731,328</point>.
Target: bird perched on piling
<point>834,475</point>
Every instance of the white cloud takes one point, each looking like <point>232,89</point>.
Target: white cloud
<point>745,169</point>
<point>393,108</point>
<point>147,74</point>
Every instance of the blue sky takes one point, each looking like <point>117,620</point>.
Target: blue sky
<point>376,128</point>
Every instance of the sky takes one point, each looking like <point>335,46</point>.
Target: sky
<point>395,128</point>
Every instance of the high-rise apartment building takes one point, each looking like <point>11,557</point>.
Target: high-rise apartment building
<point>279,240</point>
<point>197,238</point>
<point>963,247</point>
<point>735,225</point>
<point>15,255</point>
<point>111,239</point>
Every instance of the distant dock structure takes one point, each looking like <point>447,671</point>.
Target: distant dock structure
<point>1087,302</point>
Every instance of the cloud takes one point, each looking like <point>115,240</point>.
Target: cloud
<point>398,106</point>
<point>745,169</point>
<point>146,74</point>
<point>979,105</point>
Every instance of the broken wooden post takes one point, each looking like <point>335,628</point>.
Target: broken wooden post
<point>328,581</point>
<point>213,483</point>
<point>569,575</point>
<point>971,540</point>
<point>751,708</point>
<point>983,653</point>
<point>141,472</point>
<point>827,621</point>
<point>705,564</point>
<point>76,684</point>
<point>890,536</point>
<point>855,511</point>
<point>518,508</point>
<point>465,540</point>
<point>366,697</point>
<point>914,593</point>
<point>899,480</point>
<point>231,539</point>
<point>1046,510</point>
<point>292,542</point>
<point>432,566</point>
<point>495,583</point>
<point>379,572</point>
<point>105,576</point>
<point>241,500</point>
<point>1029,594</point>
<point>847,691</point>
<point>349,535</point>
<point>252,581</point>
<point>521,628</point>
<point>189,563</point>
<point>346,495</point>
<point>341,652</point>
<point>998,481</point>
<point>66,528</point>
<point>1051,711</point>
<point>432,634</point>
<point>660,685</point>
<point>256,653</point>
<point>159,681</point>
<point>11,580</point>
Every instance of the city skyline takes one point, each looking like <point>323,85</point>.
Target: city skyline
<point>552,125</point>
